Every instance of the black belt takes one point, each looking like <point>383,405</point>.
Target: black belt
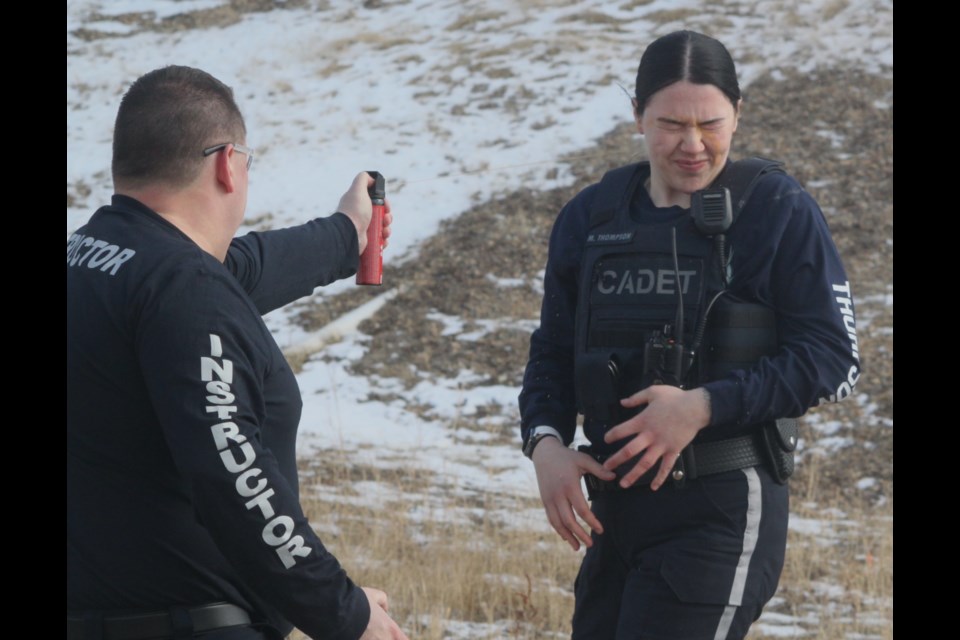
<point>695,461</point>
<point>185,621</point>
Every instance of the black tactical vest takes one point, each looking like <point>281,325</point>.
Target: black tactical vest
<point>644,295</point>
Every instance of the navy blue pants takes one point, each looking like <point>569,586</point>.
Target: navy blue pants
<point>691,563</point>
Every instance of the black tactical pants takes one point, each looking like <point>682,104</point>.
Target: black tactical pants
<point>691,563</point>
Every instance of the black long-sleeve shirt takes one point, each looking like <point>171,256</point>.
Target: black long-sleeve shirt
<point>182,416</point>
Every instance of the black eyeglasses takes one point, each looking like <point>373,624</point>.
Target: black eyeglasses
<point>236,147</point>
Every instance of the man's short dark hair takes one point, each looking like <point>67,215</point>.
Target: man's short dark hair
<point>165,120</point>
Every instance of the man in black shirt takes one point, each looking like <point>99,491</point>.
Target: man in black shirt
<point>183,514</point>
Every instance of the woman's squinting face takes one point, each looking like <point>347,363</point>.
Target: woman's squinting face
<point>688,129</point>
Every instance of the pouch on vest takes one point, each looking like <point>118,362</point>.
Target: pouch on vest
<point>737,335</point>
<point>780,441</point>
<point>597,381</point>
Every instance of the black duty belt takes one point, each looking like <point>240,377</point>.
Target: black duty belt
<point>179,622</point>
<point>695,461</point>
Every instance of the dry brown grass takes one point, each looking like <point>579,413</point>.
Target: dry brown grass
<point>671,15</point>
<point>592,17</point>
<point>838,578</point>
<point>228,13</point>
<point>633,4</point>
<point>832,9</point>
<point>447,557</point>
<point>77,193</point>
<point>443,556</point>
<point>470,22</point>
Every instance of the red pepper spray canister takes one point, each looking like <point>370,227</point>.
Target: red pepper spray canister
<point>371,260</point>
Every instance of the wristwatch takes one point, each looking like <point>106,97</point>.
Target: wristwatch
<point>536,436</point>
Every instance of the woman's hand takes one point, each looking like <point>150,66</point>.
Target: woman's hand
<point>559,470</point>
<point>671,419</point>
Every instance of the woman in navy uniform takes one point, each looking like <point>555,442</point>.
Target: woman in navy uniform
<point>687,346</point>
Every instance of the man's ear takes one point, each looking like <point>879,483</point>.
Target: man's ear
<point>736,114</point>
<point>224,170</point>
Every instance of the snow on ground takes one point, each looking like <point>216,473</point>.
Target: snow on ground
<point>451,100</point>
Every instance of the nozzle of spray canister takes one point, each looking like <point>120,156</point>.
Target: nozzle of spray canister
<point>370,270</point>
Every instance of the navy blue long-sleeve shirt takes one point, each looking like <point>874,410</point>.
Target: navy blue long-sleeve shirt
<point>782,256</point>
<point>182,416</point>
